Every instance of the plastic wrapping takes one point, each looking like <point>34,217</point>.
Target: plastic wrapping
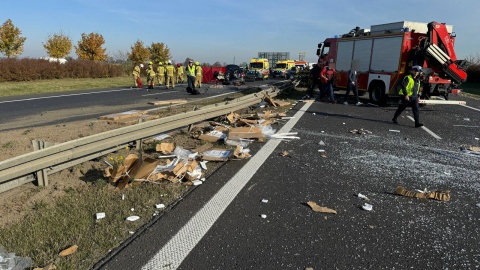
<point>8,261</point>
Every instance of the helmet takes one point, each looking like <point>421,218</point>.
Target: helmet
<point>178,65</point>
<point>141,65</point>
<point>197,63</point>
<point>169,62</point>
<point>417,68</point>
<point>160,63</point>
<point>150,63</point>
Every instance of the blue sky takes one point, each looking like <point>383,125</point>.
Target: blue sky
<point>223,30</point>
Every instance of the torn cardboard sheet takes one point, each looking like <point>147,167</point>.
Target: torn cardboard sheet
<point>232,118</point>
<point>241,153</point>
<point>315,207</point>
<point>435,195</point>
<point>213,136</point>
<point>165,148</point>
<point>245,133</point>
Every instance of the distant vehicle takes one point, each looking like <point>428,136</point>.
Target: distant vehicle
<point>262,66</point>
<point>282,67</point>
<point>233,74</point>
<point>291,72</point>
<point>253,75</point>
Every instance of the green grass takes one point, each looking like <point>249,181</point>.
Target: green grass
<point>51,86</point>
<point>50,228</point>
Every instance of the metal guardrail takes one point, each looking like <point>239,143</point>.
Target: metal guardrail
<point>38,164</point>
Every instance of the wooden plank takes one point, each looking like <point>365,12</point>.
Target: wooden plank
<point>168,102</point>
<point>122,115</point>
<point>441,102</point>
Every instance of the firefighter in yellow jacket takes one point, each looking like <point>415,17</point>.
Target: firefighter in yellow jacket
<point>198,75</point>
<point>170,74</point>
<point>180,75</point>
<point>150,75</point>
<point>136,75</point>
<point>160,73</point>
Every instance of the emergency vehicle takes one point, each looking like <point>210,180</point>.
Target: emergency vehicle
<point>282,67</point>
<point>262,66</point>
<point>383,55</point>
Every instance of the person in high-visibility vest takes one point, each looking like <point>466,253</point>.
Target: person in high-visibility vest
<point>410,91</point>
<point>190,71</point>
<point>160,73</point>
<point>198,74</point>
<point>170,74</point>
<point>180,75</point>
<point>150,75</point>
<point>136,75</point>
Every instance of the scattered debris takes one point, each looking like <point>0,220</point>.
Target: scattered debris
<point>315,207</point>
<point>49,266</point>
<point>68,251</point>
<point>165,148</point>
<point>100,215</point>
<point>393,130</point>
<point>363,197</point>
<point>133,218</point>
<point>264,200</point>
<point>160,206</point>
<point>436,195</point>
<point>473,150</point>
<point>285,154</point>
<point>367,207</point>
<point>10,261</point>
<point>323,153</point>
<point>321,143</point>
<point>263,216</point>
<point>360,131</point>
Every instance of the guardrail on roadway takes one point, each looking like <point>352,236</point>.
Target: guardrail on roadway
<point>39,164</point>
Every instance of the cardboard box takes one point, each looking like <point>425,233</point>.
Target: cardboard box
<point>217,155</point>
<point>213,136</point>
<point>245,133</point>
<point>165,148</point>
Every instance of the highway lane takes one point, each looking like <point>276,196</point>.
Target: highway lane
<point>53,108</point>
<point>398,233</point>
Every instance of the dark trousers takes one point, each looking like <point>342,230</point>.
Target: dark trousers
<point>315,83</point>
<point>191,83</point>
<point>352,87</point>
<point>327,87</point>
<point>412,102</point>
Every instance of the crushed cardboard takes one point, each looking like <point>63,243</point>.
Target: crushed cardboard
<point>245,133</point>
<point>435,195</point>
<point>216,155</point>
<point>165,148</point>
<point>214,136</point>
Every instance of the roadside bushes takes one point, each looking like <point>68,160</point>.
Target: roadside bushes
<point>27,69</point>
<point>473,74</point>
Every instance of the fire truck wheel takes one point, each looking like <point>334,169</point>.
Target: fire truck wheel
<point>377,93</point>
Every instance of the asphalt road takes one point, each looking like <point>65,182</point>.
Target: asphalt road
<point>47,109</point>
<point>219,225</point>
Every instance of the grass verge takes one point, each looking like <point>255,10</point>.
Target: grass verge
<point>52,86</point>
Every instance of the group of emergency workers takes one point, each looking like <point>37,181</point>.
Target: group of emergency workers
<point>167,74</point>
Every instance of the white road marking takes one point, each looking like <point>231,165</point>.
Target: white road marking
<point>159,93</point>
<point>427,130</point>
<point>69,95</point>
<point>180,245</point>
<point>470,107</point>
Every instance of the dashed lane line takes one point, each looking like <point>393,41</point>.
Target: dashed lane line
<point>427,130</point>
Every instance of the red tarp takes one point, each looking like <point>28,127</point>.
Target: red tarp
<point>209,71</point>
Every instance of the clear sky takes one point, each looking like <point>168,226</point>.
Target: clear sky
<point>226,30</point>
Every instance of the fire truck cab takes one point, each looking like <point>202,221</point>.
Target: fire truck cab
<point>383,54</point>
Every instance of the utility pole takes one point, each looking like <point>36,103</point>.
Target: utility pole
<point>234,60</point>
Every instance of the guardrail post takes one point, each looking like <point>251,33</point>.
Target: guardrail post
<point>41,175</point>
<point>138,144</point>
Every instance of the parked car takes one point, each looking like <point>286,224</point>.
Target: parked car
<point>253,75</point>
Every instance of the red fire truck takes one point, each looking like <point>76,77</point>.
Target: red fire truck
<point>383,54</point>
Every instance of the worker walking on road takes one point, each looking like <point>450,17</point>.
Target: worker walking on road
<point>150,75</point>
<point>352,86</point>
<point>170,74</point>
<point>136,76</point>
<point>410,91</point>
<point>190,70</point>
<point>198,75</point>
<point>160,73</point>
<point>180,74</point>
<point>316,82</point>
